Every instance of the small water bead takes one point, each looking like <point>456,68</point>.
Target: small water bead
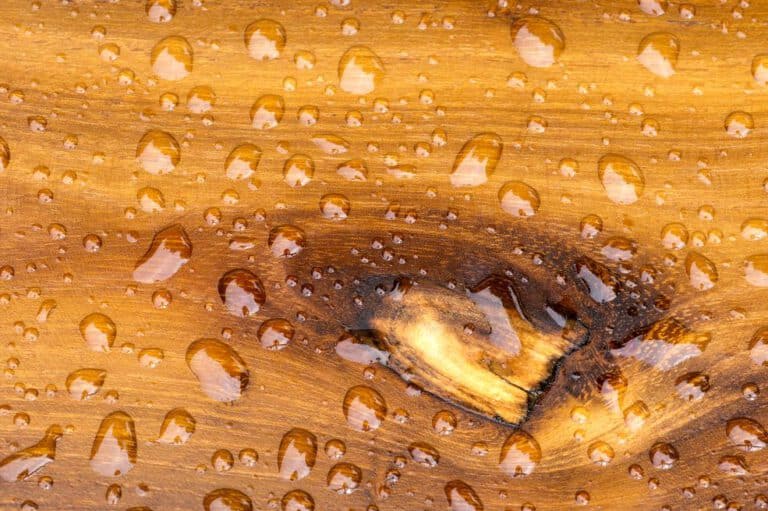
<point>298,170</point>
<point>756,270</point>
<point>160,11</point>
<point>241,292</point>
<point>92,243</point>
<point>98,331</point>
<point>520,454</point>
<point>658,53</point>
<point>169,251</point>
<point>462,497</point>
<point>26,462</point>
<point>177,427</point>
<point>344,478</point>
<point>222,374</point>
<point>297,500</point>
<point>444,422</point>
<point>360,70</point>
<point>242,161</point>
<point>172,58</point>
<point>334,206</point>
<point>265,39</point>
<point>538,41</point>
<point>477,160</point>
<point>582,498</point>
<point>750,391</point>
<point>335,449</point>
<point>84,383</point>
<point>267,111</point>
<point>663,455</point>
<point>754,229</point>
<point>275,334</point>
<point>519,199</point>
<point>674,236</point>
<point>227,499</point>
<point>222,460</point>
<point>158,152</point>
<point>424,454</point>
<point>621,178</point>
<point>200,99</point>
<point>364,408</point>
<point>114,449</point>
<point>739,124</point>
<point>297,454</point>
<point>286,241</point>
<point>330,143</point>
<point>702,273</point>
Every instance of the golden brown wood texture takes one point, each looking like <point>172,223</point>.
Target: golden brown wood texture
<point>618,427</point>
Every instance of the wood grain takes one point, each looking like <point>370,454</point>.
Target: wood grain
<point>594,101</point>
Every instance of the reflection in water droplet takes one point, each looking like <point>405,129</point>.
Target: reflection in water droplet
<point>519,199</point>
<point>98,331</point>
<point>242,161</point>
<point>242,292</point>
<point>286,241</point>
<point>658,53</point>
<point>267,112</point>
<point>222,374</point>
<point>297,500</point>
<point>739,124</point>
<point>758,347</point>
<point>169,251</point>
<point>364,408</point>
<point>158,152</point>
<point>360,70</point>
<point>114,448</point>
<point>477,160</point>
<point>344,478</point>
<point>84,383</point>
<point>664,345</point>
<point>747,434</point>
<point>297,454</point>
<point>621,178</point>
<point>177,427</point>
<point>265,39</point>
<point>462,497</point>
<point>520,454</point>
<point>702,273</point>
<point>275,334</point>
<point>227,499</point>
<point>26,462</point>
<point>538,41</point>
<point>172,58</point>
<point>756,270</point>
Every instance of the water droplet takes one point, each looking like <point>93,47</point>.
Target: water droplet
<point>172,58</point>
<point>538,41</point>
<point>297,454</point>
<point>520,454</point>
<point>26,462</point>
<point>286,241</point>
<point>265,39</point>
<point>84,383</point>
<point>242,292</point>
<point>177,427</point>
<point>621,178</point>
<point>114,448</point>
<point>364,408</point>
<point>658,53</point>
<point>477,160</point>
<point>462,497</point>
<point>158,152</point>
<point>169,251</point>
<point>360,70</point>
<point>519,199</point>
<point>222,374</point>
<point>98,331</point>
<point>227,499</point>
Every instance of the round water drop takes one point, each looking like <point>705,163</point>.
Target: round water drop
<point>538,41</point>
<point>756,270</point>
<point>158,152</point>
<point>334,206</point>
<point>227,499</point>
<point>177,427</point>
<point>364,408</point>
<point>172,58</point>
<point>360,70</point>
<point>267,111</point>
<point>160,11</point>
<point>242,292</point>
<point>298,170</point>
<point>114,449</point>
<point>739,124</point>
<point>621,178</point>
<point>222,374</point>
<point>98,331</point>
<point>265,39</point>
<point>519,199</point>
<point>520,454</point>
<point>242,161</point>
<point>462,497</point>
<point>702,273</point>
<point>658,53</point>
<point>297,454</point>
<point>286,241</point>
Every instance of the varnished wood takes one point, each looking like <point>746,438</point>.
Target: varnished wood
<point>464,56</point>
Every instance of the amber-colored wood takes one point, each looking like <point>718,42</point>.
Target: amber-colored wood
<point>446,67</point>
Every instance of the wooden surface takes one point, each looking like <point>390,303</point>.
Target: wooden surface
<point>594,101</point>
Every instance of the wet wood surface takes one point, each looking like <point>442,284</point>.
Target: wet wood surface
<point>642,405</point>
